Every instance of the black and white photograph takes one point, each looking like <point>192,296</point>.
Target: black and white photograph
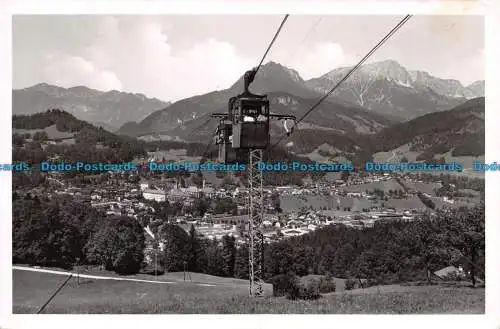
<point>248,164</point>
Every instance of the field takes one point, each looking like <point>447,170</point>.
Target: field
<point>295,203</point>
<point>173,155</point>
<point>459,202</point>
<point>385,186</point>
<point>32,289</point>
<point>404,151</point>
<point>423,187</point>
<point>396,155</point>
<point>52,132</point>
<point>410,203</point>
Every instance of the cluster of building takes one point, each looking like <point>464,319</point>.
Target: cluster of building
<point>357,206</point>
<point>173,192</point>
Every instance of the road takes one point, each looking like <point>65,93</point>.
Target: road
<point>96,277</point>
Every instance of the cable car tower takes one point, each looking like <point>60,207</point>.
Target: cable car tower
<point>242,134</point>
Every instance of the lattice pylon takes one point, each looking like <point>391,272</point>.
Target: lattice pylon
<point>255,215</point>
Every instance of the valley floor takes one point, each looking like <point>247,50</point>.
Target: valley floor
<point>230,296</point>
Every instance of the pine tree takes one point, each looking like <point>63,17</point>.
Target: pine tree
<point>194,250</point>
<point>241,263</point>
<point>214,258</point>
<point>229,255</point>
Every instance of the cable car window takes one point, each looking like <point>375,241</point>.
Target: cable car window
<point>252,108</point>
<point>252,111</point>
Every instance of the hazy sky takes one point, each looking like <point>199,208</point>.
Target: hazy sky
<point>173,57</point>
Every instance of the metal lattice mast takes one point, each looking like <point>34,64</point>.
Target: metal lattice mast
<point>255,236</point>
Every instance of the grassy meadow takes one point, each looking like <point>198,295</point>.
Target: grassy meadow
<point>32,289</point>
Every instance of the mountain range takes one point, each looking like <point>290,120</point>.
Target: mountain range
<point>390,89</point>
<point>376,96</point>
<point>384,90</point>
<point>109,110</point>
<point>460,131</point>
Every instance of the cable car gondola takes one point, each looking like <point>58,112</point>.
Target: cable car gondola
<point>246,125</point>
<point>223,139</point>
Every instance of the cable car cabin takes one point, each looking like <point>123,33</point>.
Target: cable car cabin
<point>226,152</point>
<point>250,120</point>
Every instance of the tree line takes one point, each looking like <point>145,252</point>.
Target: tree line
<point>387,252</point>
<point>61,232</point>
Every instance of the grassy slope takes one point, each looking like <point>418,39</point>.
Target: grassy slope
<point>31,290</point>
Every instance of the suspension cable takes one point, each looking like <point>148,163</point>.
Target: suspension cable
<point>54,294</point>
<point>378,45</point>
<point>203,124</point>
<point>207,147</point>
<point>272,42</point>
<point>308,34</point>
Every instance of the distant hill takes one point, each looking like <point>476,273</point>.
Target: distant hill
<point>108,109</point>
<point>475,89</point>
<point>88,143</point>
<point>447,87</point>
<point>460,130</point>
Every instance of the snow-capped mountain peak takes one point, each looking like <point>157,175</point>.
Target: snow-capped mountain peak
<point>389,70</point>
<point>389,88</point>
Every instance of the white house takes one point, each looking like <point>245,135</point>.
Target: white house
<point>446,199</point>
<point>157,195</point>
<point>144,185</point>
<point>311,227</point>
